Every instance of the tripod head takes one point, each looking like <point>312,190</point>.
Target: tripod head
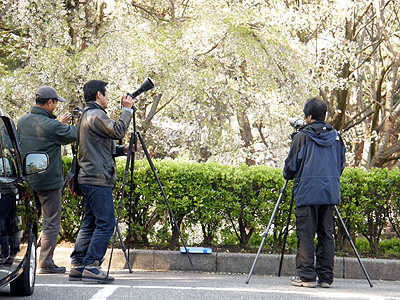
<point>146,85</point>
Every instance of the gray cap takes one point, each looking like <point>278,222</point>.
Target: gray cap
<point>48,92</point>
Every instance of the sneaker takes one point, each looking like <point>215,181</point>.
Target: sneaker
<point>297,281</point>
<point>52,270</point>
<point>93,273</point>
<point>324,284</point>
<point>75,273</point>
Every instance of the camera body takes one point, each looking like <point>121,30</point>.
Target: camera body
<point>76,112</point>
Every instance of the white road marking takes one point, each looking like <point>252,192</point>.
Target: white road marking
<point>105,292</point>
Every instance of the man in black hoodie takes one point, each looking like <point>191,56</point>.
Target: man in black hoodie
<point>316,160</point>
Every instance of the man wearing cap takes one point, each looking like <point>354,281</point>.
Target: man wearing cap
<point>41,131</point>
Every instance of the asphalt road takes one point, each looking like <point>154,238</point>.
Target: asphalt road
<point>201,286</point>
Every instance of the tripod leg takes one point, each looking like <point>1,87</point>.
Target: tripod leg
<point>131,189</point>
<point>354,247</point>
<point>124,248</point>
<point>266,232</point>
<point>130,211</point>
<point>163,193</point>
<point>286,234</point>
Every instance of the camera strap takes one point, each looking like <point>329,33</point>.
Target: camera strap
<point>77,136</point>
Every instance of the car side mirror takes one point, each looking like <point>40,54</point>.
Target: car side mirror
<point>35,163</point>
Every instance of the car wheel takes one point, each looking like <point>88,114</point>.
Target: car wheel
<point>24,284</point>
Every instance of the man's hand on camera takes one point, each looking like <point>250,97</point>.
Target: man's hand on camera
<point>65,118</point>
<point>127,101</point>
<point>127,148</point>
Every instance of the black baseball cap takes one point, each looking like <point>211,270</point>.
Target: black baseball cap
<point>48,92</point>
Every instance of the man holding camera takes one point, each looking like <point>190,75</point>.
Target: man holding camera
<point>41,131</point>
<point>97,177</point>
<point>316,161</point>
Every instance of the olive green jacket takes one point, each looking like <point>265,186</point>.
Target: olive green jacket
<point>40,131</point>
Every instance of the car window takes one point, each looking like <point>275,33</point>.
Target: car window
<point>8,171</point>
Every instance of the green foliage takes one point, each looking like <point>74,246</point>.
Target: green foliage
<point>233,205</point>
<point>386,247</point>
<point>365,204</point>
<point>363,245</point>
<point>354,192</point>
<point>391,246</point>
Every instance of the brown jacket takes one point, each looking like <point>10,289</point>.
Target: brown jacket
<point>97,147</point>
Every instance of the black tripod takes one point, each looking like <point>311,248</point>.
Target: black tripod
<point>129,167</point>
<point>286,233</point>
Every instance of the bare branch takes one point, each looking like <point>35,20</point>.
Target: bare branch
<point>156,17</point>
<point>153,110</point>
<point>350,125</point>
<point>259,128</point>
<point>15,102</point>
<point>362,16</point>
<point>213,47</point>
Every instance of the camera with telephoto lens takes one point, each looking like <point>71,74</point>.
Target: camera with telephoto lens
<point>146,85</point>
<point>297,123</point>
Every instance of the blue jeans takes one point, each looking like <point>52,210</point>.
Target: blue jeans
<point>97,227</point>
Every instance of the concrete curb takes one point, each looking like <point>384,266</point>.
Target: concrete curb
<point>267,264</point>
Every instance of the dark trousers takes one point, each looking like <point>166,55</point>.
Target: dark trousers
<point>50,203</point>
<point>97,227</point>
<point>311,220</point>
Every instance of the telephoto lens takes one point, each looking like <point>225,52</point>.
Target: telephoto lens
<point>297,123</point>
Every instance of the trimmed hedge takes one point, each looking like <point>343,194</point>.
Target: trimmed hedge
<point>233,205</point>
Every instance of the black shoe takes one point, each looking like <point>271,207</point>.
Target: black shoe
<point>324,284</point>
<point>52,270</point>
<point>297,281</point>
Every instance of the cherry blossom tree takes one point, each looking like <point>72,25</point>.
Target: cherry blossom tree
<point>229,74</point>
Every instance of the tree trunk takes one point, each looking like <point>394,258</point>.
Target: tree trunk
<point>245,133</point>
<point>342,94</point>
<point>391,115</point>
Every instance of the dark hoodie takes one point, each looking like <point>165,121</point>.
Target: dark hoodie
<point>316,160</point>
